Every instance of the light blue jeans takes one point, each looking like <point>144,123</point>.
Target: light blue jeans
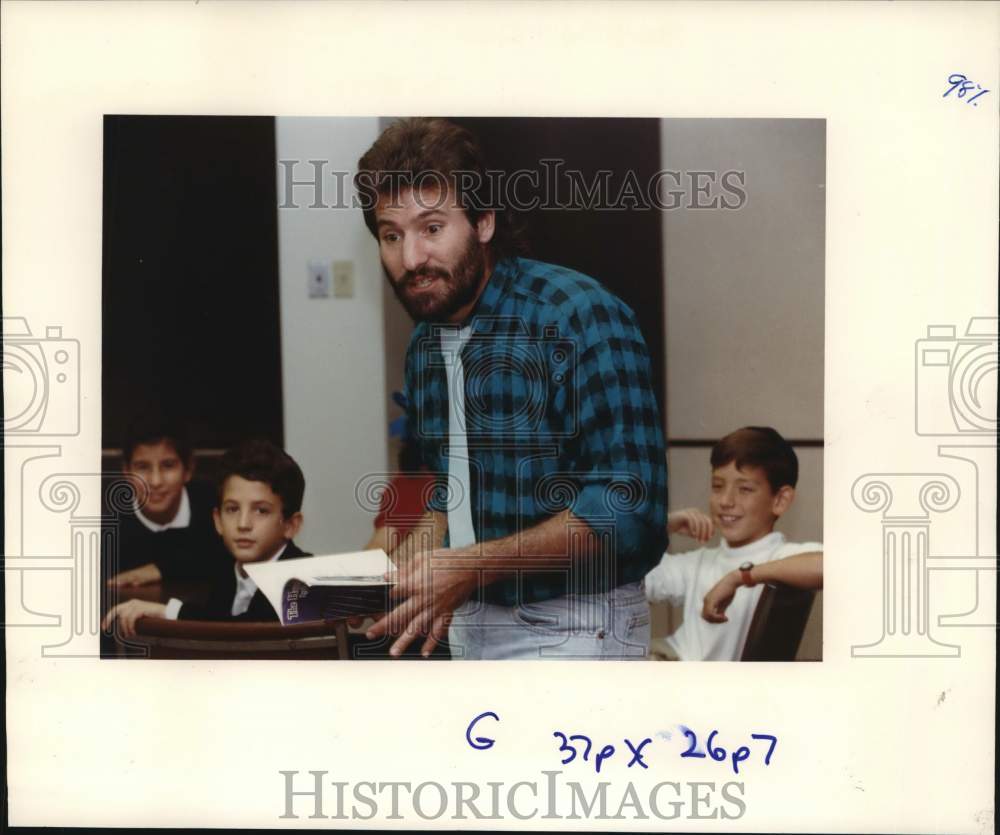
<point>609,626</point>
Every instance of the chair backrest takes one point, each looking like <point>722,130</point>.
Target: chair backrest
<point>192,639</point>
<point>778,624</point>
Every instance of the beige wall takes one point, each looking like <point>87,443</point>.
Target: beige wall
<point>332,362</point>
<point>744,288</point>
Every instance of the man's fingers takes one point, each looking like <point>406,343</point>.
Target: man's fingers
<point>410,579</point>
<point>407,621</point>
<point>133,617</point>
<point>402,642</point>
<point>378,629</point>
<point>428,647</point>
<point>392,622</point>
<point>125,623</point>
<point>439,630</point>
<point>419,624</point>
<point>408,635</point>
<point>109,618</point>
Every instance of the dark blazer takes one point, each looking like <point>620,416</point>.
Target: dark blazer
<point>220,599</point>
<point>192,553</point>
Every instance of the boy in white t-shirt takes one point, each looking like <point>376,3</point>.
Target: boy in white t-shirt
<point>754,472</point>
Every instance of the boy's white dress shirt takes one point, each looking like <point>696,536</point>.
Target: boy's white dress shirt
<point>685,579</point>
<point>181,519</point>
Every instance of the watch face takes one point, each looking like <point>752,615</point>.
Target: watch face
<point>746,566</point>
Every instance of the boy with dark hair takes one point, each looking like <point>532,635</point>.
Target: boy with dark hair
<point>754,473</point>
<point>258,514</point>
<point>169,532</point>
<point>759,446</point>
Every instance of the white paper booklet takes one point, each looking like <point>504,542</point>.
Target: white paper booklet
<point>325,587</point>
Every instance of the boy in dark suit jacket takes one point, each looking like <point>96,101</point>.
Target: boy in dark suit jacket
<point>167,533</point>
<point>259,513</point>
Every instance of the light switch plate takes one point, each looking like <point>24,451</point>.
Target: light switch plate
<point>343,279</point>
<point>319,279</point>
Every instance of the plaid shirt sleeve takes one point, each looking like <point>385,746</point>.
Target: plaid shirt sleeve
<point>619,444</point>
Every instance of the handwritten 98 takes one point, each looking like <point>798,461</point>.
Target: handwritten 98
<point>963,85</point>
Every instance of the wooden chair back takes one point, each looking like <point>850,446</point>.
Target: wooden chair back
<point>778,624</point>
<point>192,639</point>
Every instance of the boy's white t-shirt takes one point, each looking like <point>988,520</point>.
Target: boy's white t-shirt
<point>685,579</point>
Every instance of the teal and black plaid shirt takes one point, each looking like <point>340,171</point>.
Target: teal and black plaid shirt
<point>560,414</point>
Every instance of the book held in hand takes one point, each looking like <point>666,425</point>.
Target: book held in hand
<point>328,587</point>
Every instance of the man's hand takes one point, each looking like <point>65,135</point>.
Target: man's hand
<point>430,595</point>
<point>140,576</point>
<point>719,597</point>
<point>691,522</point>
<point>129,612</point>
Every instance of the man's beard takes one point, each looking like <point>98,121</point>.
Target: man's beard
<point>458,286</point>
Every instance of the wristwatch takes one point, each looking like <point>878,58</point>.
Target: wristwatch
<point>745,569</point>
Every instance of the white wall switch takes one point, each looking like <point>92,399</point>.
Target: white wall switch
<point>343,279</point>
<point>319,279</point>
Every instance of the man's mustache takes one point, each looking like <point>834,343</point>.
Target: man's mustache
<point>413,276</point>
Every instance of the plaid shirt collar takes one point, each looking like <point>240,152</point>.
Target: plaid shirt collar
<point>493,294</point>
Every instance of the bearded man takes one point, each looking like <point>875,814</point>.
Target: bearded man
<point>528,390</point>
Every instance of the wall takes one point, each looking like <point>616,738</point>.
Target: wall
<point>744,303</point>
<point>332,348</point>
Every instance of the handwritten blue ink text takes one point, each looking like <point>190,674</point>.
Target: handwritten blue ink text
<point>962,84</point>
<point>481,743</point>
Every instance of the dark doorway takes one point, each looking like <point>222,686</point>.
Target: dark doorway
<point>621,247</point>
<point>190,275</point>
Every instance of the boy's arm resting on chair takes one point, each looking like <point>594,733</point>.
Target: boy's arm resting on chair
<point>129,612</point>
<point>801,571</point>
